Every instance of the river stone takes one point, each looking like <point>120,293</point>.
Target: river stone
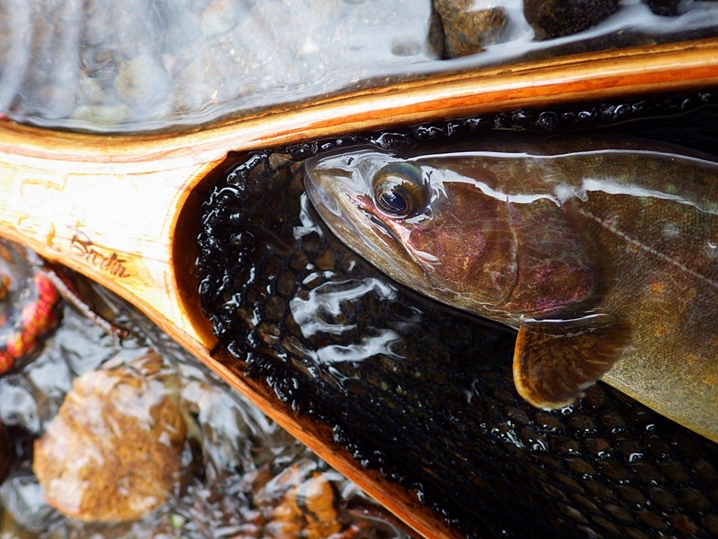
<point>465,30</point>
<point>666,8</point>
<point>143,80</point>
<point>113,451</point>
<point>298,502</point>
<point>221,16</point>
<point>556,18</point>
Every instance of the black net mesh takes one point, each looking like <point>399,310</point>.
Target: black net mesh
<point>425,393</point>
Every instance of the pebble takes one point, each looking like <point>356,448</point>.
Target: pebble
<point>467,30</point>
<point>101,115</point>
<point>113,452</point>
<point>220,16</point>
<point>142,80</point>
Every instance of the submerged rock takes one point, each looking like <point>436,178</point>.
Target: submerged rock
<point>666,8</point>
<point>556,18</point>
<point>460,30</point>
<point>113,452</point>
<point>299,502</point>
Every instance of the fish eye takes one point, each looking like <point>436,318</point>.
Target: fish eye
<point>400,189</point>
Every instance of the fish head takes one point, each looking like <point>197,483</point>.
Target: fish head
<point>423,229</point>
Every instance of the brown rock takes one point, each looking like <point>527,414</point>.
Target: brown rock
<point>466,30</point>
<point>112,453</point>
<point>299,502</point>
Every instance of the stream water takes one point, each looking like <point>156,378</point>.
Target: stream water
<point>137,65</point>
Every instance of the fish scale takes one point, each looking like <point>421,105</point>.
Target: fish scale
<point>436,410</point>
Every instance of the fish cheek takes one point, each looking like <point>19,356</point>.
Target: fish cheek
<point>555,267</point>
<point>474,260</point>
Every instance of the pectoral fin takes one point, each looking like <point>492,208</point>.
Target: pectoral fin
<point>556,361</point>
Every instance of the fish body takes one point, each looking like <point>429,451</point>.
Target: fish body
<point>603,255</point>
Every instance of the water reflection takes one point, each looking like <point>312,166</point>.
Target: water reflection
<point>119,66</point>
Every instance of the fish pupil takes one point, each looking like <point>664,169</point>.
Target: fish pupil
<point>393,202</point>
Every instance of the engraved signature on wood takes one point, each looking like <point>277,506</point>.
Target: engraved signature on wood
<point>111,263</point>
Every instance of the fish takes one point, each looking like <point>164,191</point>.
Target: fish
<point>602,254</point>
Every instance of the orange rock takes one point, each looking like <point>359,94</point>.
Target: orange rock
<point>113,452</point>
<point>298,503</point>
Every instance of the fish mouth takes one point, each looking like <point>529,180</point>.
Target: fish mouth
<point>368,211</point>
<point>325,191</point>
